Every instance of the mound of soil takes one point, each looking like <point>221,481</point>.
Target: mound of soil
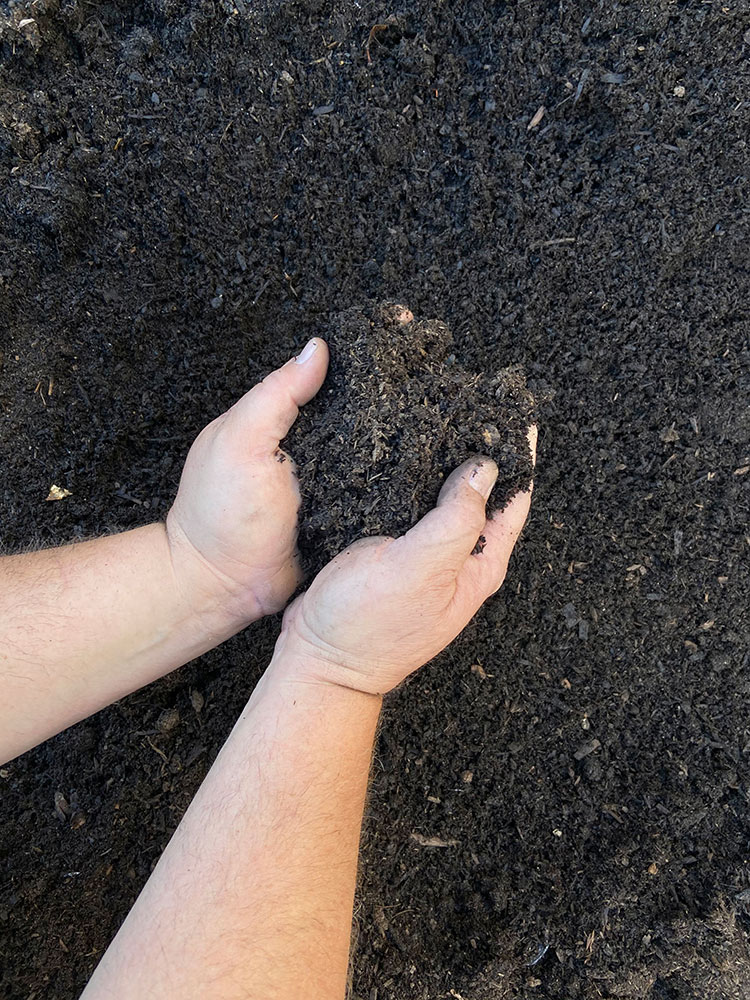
<point>190,189</point>
<point>397,414</point>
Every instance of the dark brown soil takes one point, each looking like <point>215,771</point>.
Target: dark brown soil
<point>190,189</point>
<point>397,414</point>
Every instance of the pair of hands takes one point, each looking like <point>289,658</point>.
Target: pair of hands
<point>380,609</point>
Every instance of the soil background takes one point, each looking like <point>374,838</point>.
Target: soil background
<point>190,190</point>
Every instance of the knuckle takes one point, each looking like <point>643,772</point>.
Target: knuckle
<point>271,381</point>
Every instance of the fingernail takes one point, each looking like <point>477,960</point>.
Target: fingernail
<point>483,477</point>
<point>307,352</point>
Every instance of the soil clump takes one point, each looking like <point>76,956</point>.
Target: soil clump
<point>398,412</point>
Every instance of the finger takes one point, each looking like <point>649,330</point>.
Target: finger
<point>371,549</point>
<point>533,436</point>
<point>398,314</point>
<point>267,412</point>
<point>489,564</point>
<point>449,532</point>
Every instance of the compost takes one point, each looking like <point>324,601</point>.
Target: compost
<point>190,190</point>
<point>398,413</point>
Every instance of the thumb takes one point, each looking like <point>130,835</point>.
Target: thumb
<point>269,409</point>
<point>451,530</point>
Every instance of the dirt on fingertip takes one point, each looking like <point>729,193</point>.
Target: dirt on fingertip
<point>397,413</point>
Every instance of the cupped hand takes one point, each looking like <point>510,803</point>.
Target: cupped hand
<point>232,530</point>
<point>384,607</point>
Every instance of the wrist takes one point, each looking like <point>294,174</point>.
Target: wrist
<point>296,662</point>
<point>214,600</point>
<point>206,610</point>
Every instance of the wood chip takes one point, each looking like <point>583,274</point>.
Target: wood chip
<point>168,720</point>
<point>77,820</point>
<point>587,749</point>
<point>611,810</point>
<point>669,435</point>
<point>581,84</point>
<point>536,119</point>
<point>62,808</point>
<point>58,493</point>
<point>432,841</point>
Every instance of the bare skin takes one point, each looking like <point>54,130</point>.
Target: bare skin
<point>253,896</point>
<point>83,625</point>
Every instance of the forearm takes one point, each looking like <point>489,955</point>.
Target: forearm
<point>253,896</point>
<point>86,624</point>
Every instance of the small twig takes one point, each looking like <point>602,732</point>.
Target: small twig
<point>581,84</point>
<point>371,37</point>
<point>263,287</point>
<point>552,243</point>
<point>157,750</point>
<point>230,123</point>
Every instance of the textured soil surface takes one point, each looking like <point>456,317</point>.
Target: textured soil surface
<point>397,414</point>
<point>191,189</point>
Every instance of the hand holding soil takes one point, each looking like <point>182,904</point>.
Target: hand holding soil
<point>271,840</point>
<point>233,526</point>
<point>398,412</point>
<point>385,606</point>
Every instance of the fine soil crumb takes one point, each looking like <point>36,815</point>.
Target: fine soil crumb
<point>397,414</point>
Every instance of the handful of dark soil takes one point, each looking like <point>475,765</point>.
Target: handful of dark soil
<point>396,415</point>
